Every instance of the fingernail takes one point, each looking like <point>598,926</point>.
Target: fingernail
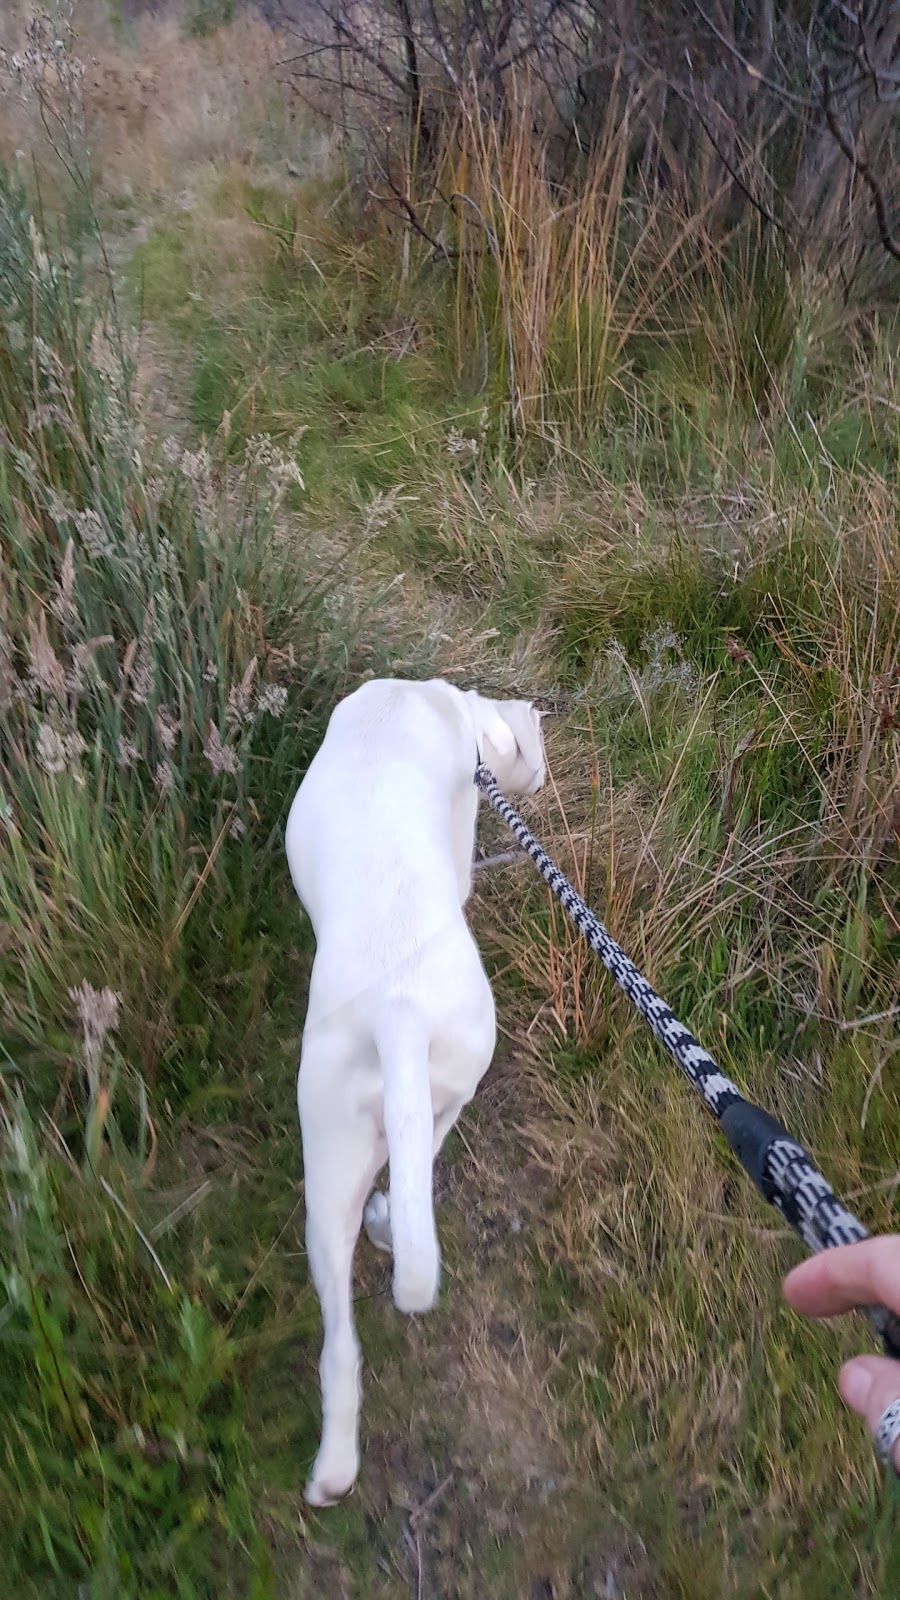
<point>856,1383</point>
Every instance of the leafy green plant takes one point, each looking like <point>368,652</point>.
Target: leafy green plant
<point>123,1468</point>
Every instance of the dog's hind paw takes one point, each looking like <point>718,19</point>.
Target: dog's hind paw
<point>323,1493</point>
<point>377,1221</point>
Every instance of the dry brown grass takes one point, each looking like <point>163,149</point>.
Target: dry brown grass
<point>613,1321</point>
<point>669,1298</point>
<point>555,282</point>
<point>162,107</point>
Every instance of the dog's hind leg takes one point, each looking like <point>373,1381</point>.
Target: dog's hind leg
<point>377,1213</point>
<point>464,1053</point>
<point>342,1152</point>
<point>377,1221</point>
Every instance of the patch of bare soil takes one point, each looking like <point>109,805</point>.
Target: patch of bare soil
<point>473,1483</point>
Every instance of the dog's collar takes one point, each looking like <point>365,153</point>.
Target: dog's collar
<point>484,778</point>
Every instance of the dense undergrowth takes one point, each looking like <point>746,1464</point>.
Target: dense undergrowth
<point>167,664</point>
<point>620,457</point>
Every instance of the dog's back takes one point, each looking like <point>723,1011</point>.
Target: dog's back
<point>381,828</point>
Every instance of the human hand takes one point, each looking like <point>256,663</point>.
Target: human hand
<point>844,1279</point>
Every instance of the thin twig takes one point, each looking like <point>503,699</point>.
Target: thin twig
<point>866,1022</point>
<point>419,1513</point>
<point>765,213</point>
<point>861,166</point>
<point>503,858</point>
<point>258,1269</point>
<point>138,1230</point>
<point>198,886</point>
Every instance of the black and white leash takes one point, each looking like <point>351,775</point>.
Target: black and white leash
<point>778,1165</point>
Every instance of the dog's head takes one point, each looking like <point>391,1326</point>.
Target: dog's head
<point>510,741</point>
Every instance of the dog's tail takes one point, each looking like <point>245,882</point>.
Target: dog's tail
<point>402,1042</point>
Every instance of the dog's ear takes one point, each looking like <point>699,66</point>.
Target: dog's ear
<point>498,732</point>
<point>523,719</point>
<point>491,727</point>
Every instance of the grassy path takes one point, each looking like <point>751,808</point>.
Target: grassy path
<point>610,1399</point>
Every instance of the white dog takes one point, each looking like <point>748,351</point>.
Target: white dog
<point>400,1024</point>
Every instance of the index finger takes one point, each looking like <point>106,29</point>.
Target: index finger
<point>849,1276</point>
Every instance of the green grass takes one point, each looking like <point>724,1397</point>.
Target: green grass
<point>306,348</point>
<point>704,566</point>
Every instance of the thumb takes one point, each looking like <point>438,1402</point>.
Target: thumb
<point>869,1384</point>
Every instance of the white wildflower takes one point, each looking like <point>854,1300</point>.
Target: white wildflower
<point>45,672</point>
<point>126,753</point>
<point>93,534</point>
<point>103,354</point>
<point>10,687</point>
<point>266,456</point>
<point>661,638</point>
<point>57,752</point>
<point>75,748</point>
<point>142,677</point>
<point>661,671</point>
<point>51,367</point>
<point>196,466</point>
<point>98,1013</point>
<point>382,509</point>
<point>459,445</point>
<point>51,749</point>
<point>241,707</point>
<point>210,673</point>
<point>168,560</point>
<point>271,700</point>
<point>166,628</point>
<point>48,68</point>
<point>221,757</point>
<point>237,828</point>
<point>7,814</point>
<point>40,417</point>
<point>140,549</point>
<point>27,464</point>
<point>57,507</point>
<point>142,672</point>
<point>167,728</point>
<point>165,776</point>
<point>83,661</point>
<point>63,604</point>
<point>154,489</point>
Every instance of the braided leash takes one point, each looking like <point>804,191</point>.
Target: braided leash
<point>778,1165</point>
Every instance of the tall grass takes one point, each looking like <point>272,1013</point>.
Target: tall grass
<point>569,292</point>
<point>727,798</point>
<point>153,630</point>
<point>694,548</point>
<point>164,668</point>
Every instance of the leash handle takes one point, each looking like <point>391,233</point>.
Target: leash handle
<point>780,1167</point>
